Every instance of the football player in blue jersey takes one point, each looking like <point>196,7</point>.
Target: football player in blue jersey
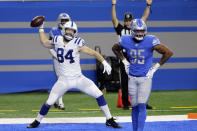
<point>61,20</point>
<point>139,48</point>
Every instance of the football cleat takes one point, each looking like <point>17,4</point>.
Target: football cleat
<point>112,122</point>
<point>56,105</point>
<point>34,124</point>
<point>61,107</point>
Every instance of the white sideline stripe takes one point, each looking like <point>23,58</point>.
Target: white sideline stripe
<point>92,119</point>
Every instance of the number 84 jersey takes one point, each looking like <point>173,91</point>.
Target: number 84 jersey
<point>68,56</point>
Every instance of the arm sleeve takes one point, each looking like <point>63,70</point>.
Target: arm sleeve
<point>80,42</point>
<point>118,29</point>
<point>53,53</point>
<point>56,39</point>
<point>155,41</point>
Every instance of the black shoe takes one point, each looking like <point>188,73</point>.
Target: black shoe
<point>34,124</point>
<point>149,107</point>
<point>126,108</point>
<point>56,105</point>
<point>112,122</point>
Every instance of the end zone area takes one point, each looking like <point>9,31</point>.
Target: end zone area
<point>153,123</point>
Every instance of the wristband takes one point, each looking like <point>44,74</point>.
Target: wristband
<point>148,4</point>
<point>113,4</point>
<point>41,30</point>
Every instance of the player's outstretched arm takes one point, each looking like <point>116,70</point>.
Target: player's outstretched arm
<point>44,39</point>
<point>113,14</point>
<point>165,51</point>
<point>147,10</point>
<point>90,51</point>
<point>99,57</point>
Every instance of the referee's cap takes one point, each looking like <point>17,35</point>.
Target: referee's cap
<point>128,16</point>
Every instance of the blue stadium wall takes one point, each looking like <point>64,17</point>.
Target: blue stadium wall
<point>27,66</point>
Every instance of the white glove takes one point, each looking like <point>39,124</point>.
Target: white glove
<point>126,65</point>
<point>152,70</point>
<point>107,67</point>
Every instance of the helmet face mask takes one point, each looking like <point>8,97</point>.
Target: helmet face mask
<point>138,29</point>
<point>69,30</point>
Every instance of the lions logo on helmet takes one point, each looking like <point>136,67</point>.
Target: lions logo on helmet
<point>62,19</point>
<point>138,29</point>
<point>72,26</point>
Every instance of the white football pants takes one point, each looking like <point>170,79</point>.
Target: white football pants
<point>64,84</point>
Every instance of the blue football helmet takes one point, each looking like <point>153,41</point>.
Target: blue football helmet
<point>138,29</point>
<point>62,19</point>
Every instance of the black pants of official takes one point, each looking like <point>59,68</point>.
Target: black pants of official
<point>124,86</point>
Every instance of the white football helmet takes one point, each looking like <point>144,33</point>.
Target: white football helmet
<point>138,29</point>
<point>62,19</point>
<point>69,25</point>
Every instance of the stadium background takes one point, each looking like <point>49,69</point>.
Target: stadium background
<point>26,66</point>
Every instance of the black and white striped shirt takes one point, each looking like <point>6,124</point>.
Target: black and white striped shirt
<point>122,30</point>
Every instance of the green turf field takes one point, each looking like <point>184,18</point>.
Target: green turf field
<point>26,105</point>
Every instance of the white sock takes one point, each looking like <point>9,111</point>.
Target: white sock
<point>60,101</point>
<point>39,117</point>
<point>106,111</point>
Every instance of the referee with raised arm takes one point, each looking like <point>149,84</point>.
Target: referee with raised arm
<point>126,30</point>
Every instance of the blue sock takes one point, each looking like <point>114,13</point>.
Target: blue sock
<point>141,116</point>
<point>135,113</point>
<point>101,100</point>
<point>44,110</point>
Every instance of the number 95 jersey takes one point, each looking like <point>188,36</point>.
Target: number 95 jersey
<point>140,54</point>
<point>68,56</point>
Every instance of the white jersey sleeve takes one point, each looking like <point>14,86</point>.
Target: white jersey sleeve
<point>57,39</point>
<point>79,42</point>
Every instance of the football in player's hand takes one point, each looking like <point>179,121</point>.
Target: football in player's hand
<point>37,21</point>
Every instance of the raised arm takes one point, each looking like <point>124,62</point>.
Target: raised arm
<point>147,10</point>
<point>44,39</point>
<point>113,14</point>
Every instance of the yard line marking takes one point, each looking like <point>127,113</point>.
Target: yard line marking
<point>8,110</point>
<point>74,112</point>
<point>89,109</point>
<point>51,110</point>
<point>92,119</point>
<point>183,107</point>
<point>173,110</point>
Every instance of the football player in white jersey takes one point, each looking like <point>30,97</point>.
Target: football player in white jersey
<point>62,19</point>
<point>68,48</point>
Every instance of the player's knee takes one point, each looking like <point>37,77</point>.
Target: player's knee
<point>101,100</point>
<point>50,102</point>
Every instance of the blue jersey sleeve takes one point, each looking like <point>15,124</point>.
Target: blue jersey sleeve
<point>155,41</point>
